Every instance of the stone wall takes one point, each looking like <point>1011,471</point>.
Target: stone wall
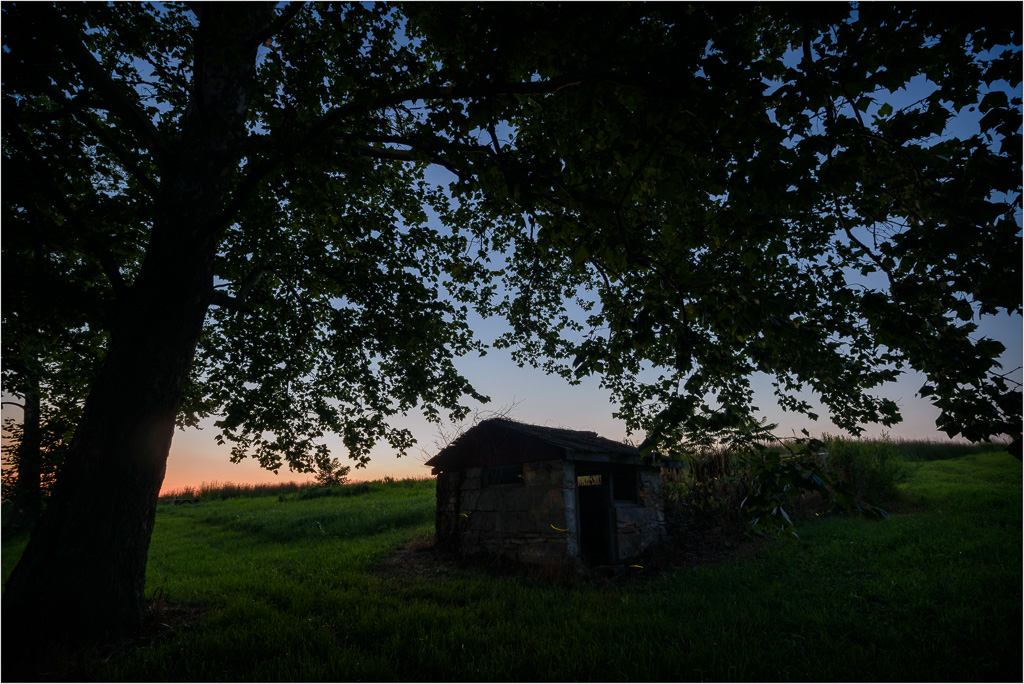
<point>638,525</point>
<point>446,516</point>
<point>535,522</point>
<point>514,521</point>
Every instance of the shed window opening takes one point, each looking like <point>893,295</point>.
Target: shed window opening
<point>624,484</point>
<point>503,475</point>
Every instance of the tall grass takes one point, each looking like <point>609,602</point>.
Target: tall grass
<point>872,469</point>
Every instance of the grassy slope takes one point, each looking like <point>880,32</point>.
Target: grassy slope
<point>932,594</point>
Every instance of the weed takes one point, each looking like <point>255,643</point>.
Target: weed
<point>286,491</point>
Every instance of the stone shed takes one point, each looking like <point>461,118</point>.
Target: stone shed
<point>546,496</point>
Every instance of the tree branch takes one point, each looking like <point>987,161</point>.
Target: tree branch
<point>239,301</point>
<point>893,280</point>
<point>226,301</point>
<point>110,267</point>
<point>250,280</point>
<point>104,136</point>
<point>282,20</point>
<point>438,143</point>
<point>366,101</point>
<point>96,76</point>
<point>392,154</point>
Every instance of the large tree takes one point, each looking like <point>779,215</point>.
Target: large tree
<point>237,194</point>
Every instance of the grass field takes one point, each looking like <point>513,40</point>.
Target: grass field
<point>287,588</point>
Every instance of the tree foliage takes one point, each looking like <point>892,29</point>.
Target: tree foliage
<point>720,193</point>
<point>753,192</point>
<point>57,418</point>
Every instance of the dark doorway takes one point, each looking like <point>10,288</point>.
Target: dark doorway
<point>594,508</point>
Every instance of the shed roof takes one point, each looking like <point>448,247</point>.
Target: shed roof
<point>499,441</point>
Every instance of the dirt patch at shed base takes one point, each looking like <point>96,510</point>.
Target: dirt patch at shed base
<point>421,559</point>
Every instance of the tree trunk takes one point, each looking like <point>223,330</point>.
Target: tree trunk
<point>83,573</point>
<point>28,495</point>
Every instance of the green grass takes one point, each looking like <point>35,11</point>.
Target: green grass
<point>292,591</point>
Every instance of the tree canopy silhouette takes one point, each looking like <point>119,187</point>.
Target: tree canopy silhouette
<point>234,196</point>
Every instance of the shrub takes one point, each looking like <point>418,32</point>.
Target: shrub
<point>332,473</point>
<point>314,492</point>
<point>355,489</point>
<point>761,489</point>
